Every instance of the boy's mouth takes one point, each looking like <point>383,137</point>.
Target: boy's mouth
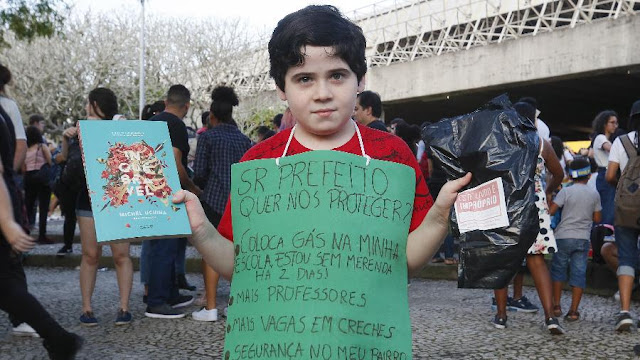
<point>324,112</point>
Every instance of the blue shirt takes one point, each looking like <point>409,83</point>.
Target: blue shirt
<point>218,148</point>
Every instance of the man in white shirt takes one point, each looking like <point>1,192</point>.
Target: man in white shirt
<point>626,237</point>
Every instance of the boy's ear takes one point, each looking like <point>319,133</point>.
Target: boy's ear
<point>362,83</point>
<point>281,94</point>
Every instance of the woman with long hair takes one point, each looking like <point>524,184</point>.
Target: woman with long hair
<point>605,125</point>
<point>102,104</point>
<point>545,242</point>
<point>38,155</point>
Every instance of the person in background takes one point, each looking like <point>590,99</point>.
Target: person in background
<point>276,122</point>
<point>288,121</point>
<point>544,244</point>
<point>151,110</point>
<point>369,110</point>
<point>626,237</point>
<point>263,133</point>
<point>10,109</point>
<point>581,208</point>
<point>27,315</point>
<point>67,196</point>
<point>219,147</point>
<point>164,298</point>
<point>35,186</point>
<point>605,125</point>
<point>543,129</point>
<point>102,104</point>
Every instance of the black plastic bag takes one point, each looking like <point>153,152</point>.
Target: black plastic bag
<point>491,142</point>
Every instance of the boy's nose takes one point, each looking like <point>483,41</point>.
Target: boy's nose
<point>322,91</point>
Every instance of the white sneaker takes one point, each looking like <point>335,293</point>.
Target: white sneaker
<point>617,295</point>
<point>25,330</point>
<point>205,315</point>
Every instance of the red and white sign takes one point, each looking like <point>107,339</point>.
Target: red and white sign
<point>482,207</point>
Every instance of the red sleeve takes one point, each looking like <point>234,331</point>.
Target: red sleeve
<point>225,228</point>
<point>422,201</point>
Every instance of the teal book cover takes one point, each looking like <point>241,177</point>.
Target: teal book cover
<point>132,177</point>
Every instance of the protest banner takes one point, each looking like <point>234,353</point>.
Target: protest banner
<point>320,258</point>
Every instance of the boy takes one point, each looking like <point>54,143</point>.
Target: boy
<point>580,206</point>
<point>318,64</point>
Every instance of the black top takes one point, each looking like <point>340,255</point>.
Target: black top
<point>7,138</point>
<point>378,125</point>
<point>177,132</point>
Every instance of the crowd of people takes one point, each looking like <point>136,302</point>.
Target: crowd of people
<point>324,91</point>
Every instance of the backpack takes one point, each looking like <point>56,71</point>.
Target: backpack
<point>627,200</point>
<point>72,175</point>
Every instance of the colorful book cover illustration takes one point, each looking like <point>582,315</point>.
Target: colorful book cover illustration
<point>132,177</point>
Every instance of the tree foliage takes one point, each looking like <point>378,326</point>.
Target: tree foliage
<point>52,76</point>
<point>30,19</point>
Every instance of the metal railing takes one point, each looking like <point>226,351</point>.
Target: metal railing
<point>405,30</point>
<point>482,23</point>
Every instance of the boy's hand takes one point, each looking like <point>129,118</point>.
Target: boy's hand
<point>449,192</point>
<point>195,212</point>
<point>17,238</point>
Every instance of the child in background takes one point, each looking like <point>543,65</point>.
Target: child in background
<point>580,208</point>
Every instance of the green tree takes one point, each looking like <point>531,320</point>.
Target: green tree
<point>29,19</point>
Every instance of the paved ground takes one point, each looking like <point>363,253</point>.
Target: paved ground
<point>448,323</point>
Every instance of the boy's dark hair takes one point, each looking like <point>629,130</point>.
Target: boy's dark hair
<point>178,95</point>
<point>34,136</point>
<point>106,102</point>
<point>35,118</point>
<point>316,25</point>
<point>370,99</point>
<point>151,110</point>
<point>223,99</point>
<point>277,120</point>
<point>600,121</point>
<point>580,168</point>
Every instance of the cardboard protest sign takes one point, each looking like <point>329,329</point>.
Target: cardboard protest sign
<point>320,266</point>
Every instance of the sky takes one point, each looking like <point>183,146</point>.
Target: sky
<point>258,13</point>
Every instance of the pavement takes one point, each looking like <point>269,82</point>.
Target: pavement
<point>448,323</point>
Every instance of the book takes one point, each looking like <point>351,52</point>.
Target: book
<point>131,177</point>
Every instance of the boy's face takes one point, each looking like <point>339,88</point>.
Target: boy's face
<point>321,94</point>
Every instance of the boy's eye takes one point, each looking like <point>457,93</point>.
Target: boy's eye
<point>337,76</point>
<point>304,79</point>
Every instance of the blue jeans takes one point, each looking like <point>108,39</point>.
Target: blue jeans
<point>145,260</point>
<point>571,255</point>
<point>180,258</point>
<point>447,246</point>
<point>627,243</point>
<point>162,274</point>
<point>607,195</point>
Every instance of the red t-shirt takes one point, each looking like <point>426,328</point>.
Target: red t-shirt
<point>377,144</point>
